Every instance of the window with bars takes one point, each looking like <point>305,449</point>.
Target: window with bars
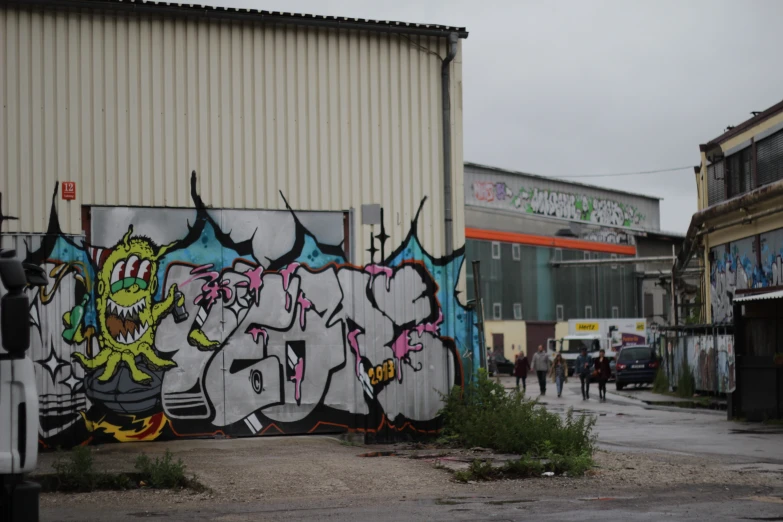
<point>516,252</point>
<point>739,173</point>
<point>560,313</point>
<point>769,158</point>
<point>716,184</point>
<point>518,311</point>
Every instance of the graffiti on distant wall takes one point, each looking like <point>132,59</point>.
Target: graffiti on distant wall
<point>738,269</point>
<point>563,205</point>
<point>710,359</point>
<point>239,331</point>
<point>608,235</point>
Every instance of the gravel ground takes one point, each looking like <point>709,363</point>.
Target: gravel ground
<point>270,469</point>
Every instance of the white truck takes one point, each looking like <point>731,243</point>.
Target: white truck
<point>18,392</point>
<point>610,335</point>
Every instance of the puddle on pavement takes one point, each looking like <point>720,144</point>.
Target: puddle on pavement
<point>773,431</point>
<point>379,454</point>
<point>147,515</point>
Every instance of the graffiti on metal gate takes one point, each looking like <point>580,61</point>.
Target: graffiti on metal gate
<point>227,330</point>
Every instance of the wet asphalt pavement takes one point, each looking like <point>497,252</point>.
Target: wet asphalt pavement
<point>624,424</point>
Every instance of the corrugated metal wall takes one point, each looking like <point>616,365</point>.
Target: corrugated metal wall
<point>128,105</point>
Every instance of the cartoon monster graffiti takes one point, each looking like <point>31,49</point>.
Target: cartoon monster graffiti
<point>129,317</point>
<point>284,336</point>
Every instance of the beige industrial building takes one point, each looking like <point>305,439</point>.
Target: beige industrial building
<point>252,221</point>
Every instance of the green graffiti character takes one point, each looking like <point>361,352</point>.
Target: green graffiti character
<point>127,316</point>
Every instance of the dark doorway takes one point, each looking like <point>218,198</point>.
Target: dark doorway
<point>537,333</point>
<point>497,343</point>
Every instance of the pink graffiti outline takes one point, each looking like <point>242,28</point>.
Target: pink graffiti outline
<point>374,270</point>
<point>304,305</point>
<point>254,283</point>
<point>354,343</point>
<point>296,378</point>
<point>432,328</point>
<point>255,331</point>
<point>287,273</point>
<point>212,288</point>
<point>401,347</point>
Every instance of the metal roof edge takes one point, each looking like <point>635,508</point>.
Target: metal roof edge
<point>191,9</point>
<point>742,127</point>
<point>565,181</point>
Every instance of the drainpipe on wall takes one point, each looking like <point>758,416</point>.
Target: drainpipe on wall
<point>445,74</point>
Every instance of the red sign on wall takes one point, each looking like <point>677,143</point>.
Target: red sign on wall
<point>69,190</point>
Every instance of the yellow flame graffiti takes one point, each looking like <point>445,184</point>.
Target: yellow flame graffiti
<point>148,428</point>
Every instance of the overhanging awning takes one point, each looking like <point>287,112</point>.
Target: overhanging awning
<point>776,294</point>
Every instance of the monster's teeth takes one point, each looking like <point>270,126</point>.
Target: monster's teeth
<point>113,307</point>
<point>128,338</point>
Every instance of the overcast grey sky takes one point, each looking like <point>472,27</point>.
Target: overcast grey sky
<point>576,87</point>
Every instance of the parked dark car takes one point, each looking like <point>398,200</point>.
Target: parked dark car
<point>636,365</point>
<point>505,367</point>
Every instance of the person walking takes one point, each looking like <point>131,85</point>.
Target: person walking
<point>541,365</point>
<point>584,367</point>
<point>521,367</point>
<point>604,372</point>
<point>559,373</point>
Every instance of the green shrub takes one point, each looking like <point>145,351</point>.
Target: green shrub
<point>524,467</point>
<point>162,472</point>
<point>661,382</point>
<point>573,465</point>
<point>686,384</point>
<point>75,471</point>
<point>486,415</point>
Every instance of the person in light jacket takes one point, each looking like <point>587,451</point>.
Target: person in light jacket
<point>559,373</point>
<point>541,365</point>
<point>584,367</point>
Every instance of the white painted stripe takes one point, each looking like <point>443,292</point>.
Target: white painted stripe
<point>255,422</point>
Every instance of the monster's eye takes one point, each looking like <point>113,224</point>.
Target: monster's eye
<point>117,271</point>
<point>131,267</point>
<point>144,271</point>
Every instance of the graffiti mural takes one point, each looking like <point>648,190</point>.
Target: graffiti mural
<point>710,359</point>
<point>202,322</point>
<point>563,205</point>
<point>609,235</point>
<point>772,257</point>
<point>732,270</point>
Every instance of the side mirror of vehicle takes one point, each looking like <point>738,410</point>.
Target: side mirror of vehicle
<point>14,305</point>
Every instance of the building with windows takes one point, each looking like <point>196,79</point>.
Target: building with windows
<point>737,234</point>
<point>552,250</point>
<point>737,237</point>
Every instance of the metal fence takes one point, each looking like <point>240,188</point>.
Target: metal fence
<point>707,352</point>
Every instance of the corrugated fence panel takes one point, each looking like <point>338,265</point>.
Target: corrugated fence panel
<point>126,106</point>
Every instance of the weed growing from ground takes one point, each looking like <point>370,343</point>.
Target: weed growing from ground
<point>163,473</point>
<point>75,471</point>
<point>661,382</point>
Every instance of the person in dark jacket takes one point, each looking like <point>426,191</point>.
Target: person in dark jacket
<point>584,366</point>
<point>521,367</point>
<point>604,373</point>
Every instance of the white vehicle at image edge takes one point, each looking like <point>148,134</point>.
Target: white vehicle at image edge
<point>18,393</point>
